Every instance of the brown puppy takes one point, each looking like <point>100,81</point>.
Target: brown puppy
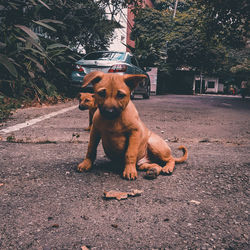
<point>87,101</point>
<point>123,134</point>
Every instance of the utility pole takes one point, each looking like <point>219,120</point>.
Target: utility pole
<point>175,7</point>
<point>201,78</point>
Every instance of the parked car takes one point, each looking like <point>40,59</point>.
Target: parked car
<point>110,62</point>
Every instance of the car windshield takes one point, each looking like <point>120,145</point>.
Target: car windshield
<point>106,56</point>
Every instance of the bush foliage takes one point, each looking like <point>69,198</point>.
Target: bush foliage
<point>39,42</point>
<point>206,36</point>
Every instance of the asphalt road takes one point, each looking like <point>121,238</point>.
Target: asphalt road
<point>46,204</point>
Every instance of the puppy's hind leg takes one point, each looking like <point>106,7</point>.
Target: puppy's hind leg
<point>169,167</point>
<point>160,151</point>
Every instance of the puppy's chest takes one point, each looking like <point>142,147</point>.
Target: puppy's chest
<point>115,137</point>
<point>114,132</point>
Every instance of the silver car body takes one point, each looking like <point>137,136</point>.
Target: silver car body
<point>110,62</point>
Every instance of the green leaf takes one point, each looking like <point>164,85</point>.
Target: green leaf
<point>2,45</point>
<point>43,54</point>
<point>34,43</point>
<point>33,2</point>
<point>50,21</point>
<point>45,25</point>
<point>61,72</point>
<point>4,60</point>
<point>56,45</point>
<point>28,31</point>
<point>40,66</point>
<point>21,39</point>
<point>31,74</point>
<point>44,4</point>
<point>37,52</point>
<point>72,58</point>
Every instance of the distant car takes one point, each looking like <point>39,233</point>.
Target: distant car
<point>110,62</point>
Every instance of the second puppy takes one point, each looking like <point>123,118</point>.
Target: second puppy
<point>87,101</point>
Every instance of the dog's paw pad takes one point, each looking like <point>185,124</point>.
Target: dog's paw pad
<point>84,166</point>
<point>151,174</point>
<point>79,169</point>
<point>130,176</point>
<point>166,171</point>
<point>130,173</point>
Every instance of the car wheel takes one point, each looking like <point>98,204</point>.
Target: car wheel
<point>147,95</point>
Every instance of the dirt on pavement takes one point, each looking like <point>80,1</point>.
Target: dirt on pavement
<point>46,204</point>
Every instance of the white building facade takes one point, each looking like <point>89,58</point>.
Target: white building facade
<point>120,34</point>
<point>207,84</point>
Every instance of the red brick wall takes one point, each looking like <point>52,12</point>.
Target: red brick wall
<point>130,22</point>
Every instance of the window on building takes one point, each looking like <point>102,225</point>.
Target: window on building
<point>210,84</point>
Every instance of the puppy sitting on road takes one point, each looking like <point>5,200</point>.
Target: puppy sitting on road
<point>124,136</point>
<point>87,101</point>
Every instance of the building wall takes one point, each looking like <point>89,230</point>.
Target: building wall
<point>152,73</point>
<point>120,35</point>
<point>130,25</point>
<point>215,85</point>
<point>209,85</point>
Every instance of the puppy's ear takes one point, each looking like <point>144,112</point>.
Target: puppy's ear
<point>133,80</point>
<point>93,77</point>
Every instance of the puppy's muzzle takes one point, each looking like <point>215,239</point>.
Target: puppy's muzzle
<point>81,107</point>
<point>110,113</point>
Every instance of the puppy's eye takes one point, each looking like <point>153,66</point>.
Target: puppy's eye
<point>87,100</point>
<point>102,93</point>
<point>120,95</point>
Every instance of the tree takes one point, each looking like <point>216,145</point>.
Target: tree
<point>149,34</point>
<point>193,40</point>
<point>182,39</point>
<point>229,21</point>
<point>85,25</point>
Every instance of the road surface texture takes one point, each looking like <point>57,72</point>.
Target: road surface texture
<point>46,204</point>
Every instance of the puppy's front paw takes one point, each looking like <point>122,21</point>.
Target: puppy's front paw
<point>87,129</point>
<point>130,172</point>
<point>84,166</point>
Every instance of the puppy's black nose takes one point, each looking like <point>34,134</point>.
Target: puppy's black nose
<point>110,113</point>
<point>82,107</point>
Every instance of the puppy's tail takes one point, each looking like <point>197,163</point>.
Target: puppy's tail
<point>184,157</point>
